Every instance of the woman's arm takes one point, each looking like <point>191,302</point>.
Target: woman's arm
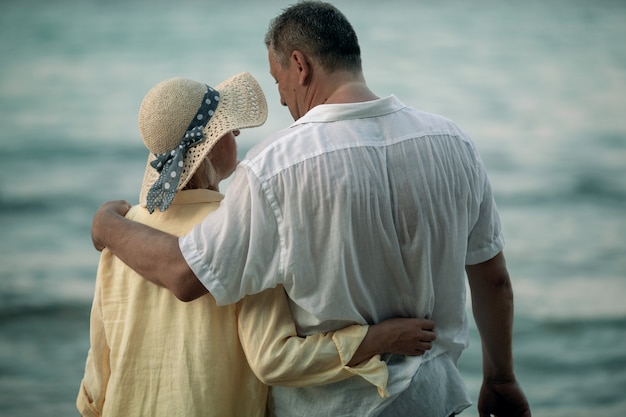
<point>403,336</point>
<point>279,357</point>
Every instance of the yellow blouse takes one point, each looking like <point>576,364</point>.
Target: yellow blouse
<point>153,355</point>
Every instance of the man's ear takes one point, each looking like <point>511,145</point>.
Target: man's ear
<point>300,63</point>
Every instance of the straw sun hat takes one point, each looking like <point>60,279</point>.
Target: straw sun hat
<point>177,108</point>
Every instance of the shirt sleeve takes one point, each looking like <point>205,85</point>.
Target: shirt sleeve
<point>92,389</point>
<point>485,239</point>
<point>236,250</point>
<point>278,356</point>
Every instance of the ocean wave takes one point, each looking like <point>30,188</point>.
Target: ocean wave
<point>51,149</point>
<point>576,346</point>
<point>68,177</point>
<point>39,205</point>
<point>61,311</point>
<point>606,187</point>
<point>603,188</point>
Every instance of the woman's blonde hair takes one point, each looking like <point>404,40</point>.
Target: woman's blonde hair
<point>205,177</point>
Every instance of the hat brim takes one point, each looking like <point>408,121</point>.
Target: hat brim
<point>242,105</point>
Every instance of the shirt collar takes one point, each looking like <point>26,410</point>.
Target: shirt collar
<point>196,196</point>
<point>346,111</point>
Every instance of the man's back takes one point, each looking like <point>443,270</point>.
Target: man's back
<point>367,211</point>
<point>383,204</point>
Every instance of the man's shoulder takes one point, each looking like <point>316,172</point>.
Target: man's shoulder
<point>279,151</point>
<point>431,119</point>
<point>268,143</point>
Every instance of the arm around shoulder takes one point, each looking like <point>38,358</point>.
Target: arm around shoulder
<point>153,254</point>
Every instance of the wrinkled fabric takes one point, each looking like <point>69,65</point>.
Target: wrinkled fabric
<point>363,211</point>
<point>153,355</point>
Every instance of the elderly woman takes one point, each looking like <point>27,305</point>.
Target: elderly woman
<point>153,355</point>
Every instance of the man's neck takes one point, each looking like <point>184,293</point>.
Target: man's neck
<point>341,87</point>
<point>353,92</point>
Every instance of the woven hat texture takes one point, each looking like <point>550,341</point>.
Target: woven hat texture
<point>169,107</point>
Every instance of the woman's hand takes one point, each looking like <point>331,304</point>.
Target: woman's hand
<point>401,336</point>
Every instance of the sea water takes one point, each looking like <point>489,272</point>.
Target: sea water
<point>539,85</point>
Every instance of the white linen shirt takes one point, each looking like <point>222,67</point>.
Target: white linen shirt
<point>363,211</point>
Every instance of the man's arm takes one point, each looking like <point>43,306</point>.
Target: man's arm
<point>153,254</point>
<point>492,305</point>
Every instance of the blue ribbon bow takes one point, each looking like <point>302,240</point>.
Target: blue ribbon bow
<point>170,164</point>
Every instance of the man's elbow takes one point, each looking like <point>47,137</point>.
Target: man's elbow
<point>188,287</point>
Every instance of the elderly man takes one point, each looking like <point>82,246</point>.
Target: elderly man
<point>364,209</point>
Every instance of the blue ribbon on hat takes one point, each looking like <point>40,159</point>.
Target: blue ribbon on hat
<point>170,164</point>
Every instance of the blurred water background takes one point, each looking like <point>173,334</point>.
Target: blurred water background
<point>540,86</point>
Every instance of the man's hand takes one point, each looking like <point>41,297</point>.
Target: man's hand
<point>502,399</point>
<point>410,337</point>
<point>152,253</point>
<point>99,224</point>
